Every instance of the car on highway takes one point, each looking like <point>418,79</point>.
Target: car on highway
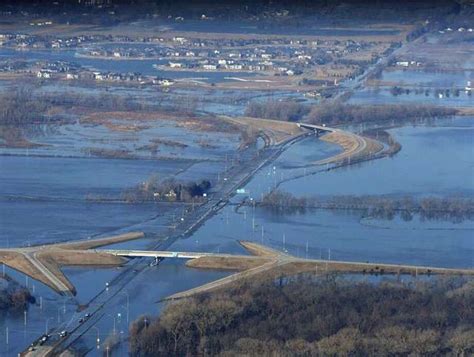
<point>43,339</point>
<point>63,333</point>
<point>84,318</point>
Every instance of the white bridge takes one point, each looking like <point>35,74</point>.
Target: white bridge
<point>159,254</point>
<point>316,128</point>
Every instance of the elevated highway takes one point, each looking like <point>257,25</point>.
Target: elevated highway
<point>161,254</point>
<point>318,129</point>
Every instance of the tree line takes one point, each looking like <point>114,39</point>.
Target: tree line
<point>13,297</point>
<point>341,113</point>
<point>19,107</point>
<point>274,109</point>
<point>456,209</point>
<point>308,316</point>
<point>336,113</point>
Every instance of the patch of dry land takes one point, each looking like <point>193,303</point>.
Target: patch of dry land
<point>44,263</point>
<point>270,264</point>
<point>354,146</point>
<point>227,263</point>
<point>273,131</point>
<point>190,122</point>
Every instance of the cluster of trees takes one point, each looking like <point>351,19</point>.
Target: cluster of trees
<point>308,316</point>
<point>170,190</point>
<point>19,108</point>
<point>286,202</point>
<point>102,101</point>
<point>341,113</point>
<point>447,92</point>
<point>14,297</point>
<point>448,208</point>
<point>279,110</point>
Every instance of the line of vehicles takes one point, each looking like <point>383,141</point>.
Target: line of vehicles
<point>44,338</point>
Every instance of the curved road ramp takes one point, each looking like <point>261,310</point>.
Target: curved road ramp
<point>275,132</point>
<point>43,263</point>
<point>265,260</point>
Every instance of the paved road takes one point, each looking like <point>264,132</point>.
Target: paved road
<point>237,176</point>
<point>60,286</point>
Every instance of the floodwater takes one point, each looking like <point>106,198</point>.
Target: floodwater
<point>423,86</point>
<point>428,78</point>
<point>382,96</point>
<point>43,199</point>
<point>79,139</point>
<point>348,235</point>
<point>435,160</point>
<point>335,235</point>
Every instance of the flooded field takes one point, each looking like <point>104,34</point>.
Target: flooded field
<point>59,212</point>
<point>382,95</point>
<point>434,161</point>
<point>69,183</point>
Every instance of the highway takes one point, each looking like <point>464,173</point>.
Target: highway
<point>272,262</point>
<point>237,176</point>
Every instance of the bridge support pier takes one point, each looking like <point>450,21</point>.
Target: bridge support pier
<point>156,261</point>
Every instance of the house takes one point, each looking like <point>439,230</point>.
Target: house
<point>171,195</point>
<point>98,76</point>
<point>43,74</point>
<point>164,82</point>
<point>179,39</point>
<point>403,63</point>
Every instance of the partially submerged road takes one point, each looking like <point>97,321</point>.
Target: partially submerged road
<point>236,177</point>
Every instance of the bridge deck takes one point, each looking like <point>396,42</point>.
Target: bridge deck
<point>167,254</point>
<point>316,127</point>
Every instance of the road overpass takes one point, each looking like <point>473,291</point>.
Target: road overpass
<point>318,129</point>
<point>160,254</point>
